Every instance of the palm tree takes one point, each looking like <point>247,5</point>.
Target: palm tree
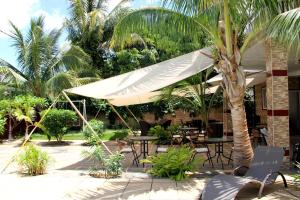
<point>41,61</point>
<point>90,26</point>
<point>231,25</point>
<point>194,94</point>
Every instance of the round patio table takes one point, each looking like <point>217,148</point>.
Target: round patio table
<point>144,140</point>
<point>219,147</point>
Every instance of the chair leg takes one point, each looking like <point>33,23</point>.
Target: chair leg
<point>284,180</point>
<point>211,161</point>
<point>230,156</point>
<point>261,189</point>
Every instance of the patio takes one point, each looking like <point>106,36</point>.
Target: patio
<point>68,178</point>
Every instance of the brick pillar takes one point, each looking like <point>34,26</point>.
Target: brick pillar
<point>277,95</point>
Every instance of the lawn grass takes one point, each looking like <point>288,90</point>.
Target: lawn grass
<point>109,134</point>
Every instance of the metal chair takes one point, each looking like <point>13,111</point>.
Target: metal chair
<point>127,147</point>
<point>199,148</point>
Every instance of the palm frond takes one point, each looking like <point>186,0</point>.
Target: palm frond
<point>157,20</point>
<point>286,27</point>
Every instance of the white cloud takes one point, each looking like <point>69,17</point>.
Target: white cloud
<point>111,4</point>
<point>21,11</point>
<point>17,11</point>
<point>52,20</point>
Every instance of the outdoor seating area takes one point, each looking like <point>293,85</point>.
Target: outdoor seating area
<point>149,100</point>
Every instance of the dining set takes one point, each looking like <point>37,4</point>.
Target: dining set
<point>191,136</point>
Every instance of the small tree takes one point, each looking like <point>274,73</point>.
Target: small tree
<point>2,124</point>
<point>7,108</point>
<point>25,108</point>
<point>58,121</point>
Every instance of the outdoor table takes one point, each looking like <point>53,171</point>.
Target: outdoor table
<point>185,131</point>
<point>144,140</point>
<point>219,147</point>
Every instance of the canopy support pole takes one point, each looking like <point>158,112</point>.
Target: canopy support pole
<point>124,122</point>
<point>84,120</point>
<point>132,114</point>
<point>26,139</point>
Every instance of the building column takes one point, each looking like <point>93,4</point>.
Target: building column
<point>277,95</point>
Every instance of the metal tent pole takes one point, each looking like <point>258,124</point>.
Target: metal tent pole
<point>84,120</point>
<point>132,114</point>
<point>124,122</point>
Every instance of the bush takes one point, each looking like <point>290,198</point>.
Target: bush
<point>33,161</point>
<point>97,155</point>
<point>98,127</point>
<point>2,124</point>
<point>173,164</point>
<point>164,136</point>
<point>111,165</point>
<point>119,134</point>
<point>58,121</point>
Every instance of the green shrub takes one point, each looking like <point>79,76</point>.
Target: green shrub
<point>33,161</point>
<point>2,124</point>
<point>97,155</point>
<point>164,136</point>
<point>58,121</point>
<point>98,127</point>
<point>111,164</point>
<point>173,164</point>
<point>119,134</point>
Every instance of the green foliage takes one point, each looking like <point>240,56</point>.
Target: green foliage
<point>297,176</point>
<point>41,59</point>
<point>111,164</point>
<point>2,124</point>
<point>58,121</point>
<point>164,136</point>
<point>97,155</point>
<point>173,164</point>
<point>98,127</point>
<point>33,161</point>
<point>119,134</point>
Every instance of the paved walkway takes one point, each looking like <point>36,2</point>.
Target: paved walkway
<point>68,179</point>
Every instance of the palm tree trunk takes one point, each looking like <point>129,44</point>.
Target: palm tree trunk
<point>26,131</point>
<point>234,84</point>
<point>243,152</point>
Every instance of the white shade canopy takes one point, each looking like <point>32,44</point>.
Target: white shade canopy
<point>153,96</point>
<point>148,79</point>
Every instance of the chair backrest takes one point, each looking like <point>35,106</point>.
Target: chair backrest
<point>145,127</point>
<point>266,160</point>
<point>166,124</point>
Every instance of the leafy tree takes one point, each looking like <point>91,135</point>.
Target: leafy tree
<point>90,27</point>
<point>2,124</point>
<point>25,109</point>
<point>7,108</point>
<point>42,62</point>
<point>192,94</point>
<point>231,26</point>
<point>58,121</point>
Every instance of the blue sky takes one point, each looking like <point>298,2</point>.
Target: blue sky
<point>20,12</point>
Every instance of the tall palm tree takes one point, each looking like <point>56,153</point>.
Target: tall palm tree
<point>231,25</point>
<point>42,61</point>
<point>90,26</point>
